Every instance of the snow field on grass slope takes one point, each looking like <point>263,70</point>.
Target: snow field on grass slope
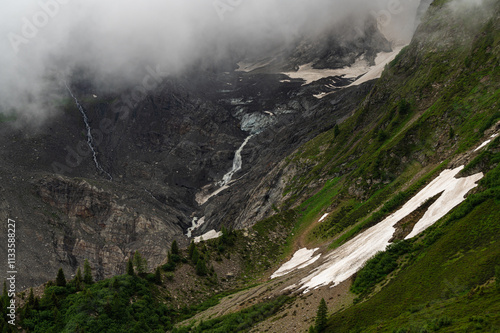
<point>300,259</point>
<point>347,259</point>
<point>323,217</point>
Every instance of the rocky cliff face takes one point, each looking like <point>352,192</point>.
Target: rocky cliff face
<point>100,229</point>
<point>171,146</point>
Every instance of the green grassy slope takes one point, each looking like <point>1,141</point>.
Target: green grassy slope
<point>433,102</point>
<point>446,282</point>
<point>450,273</point>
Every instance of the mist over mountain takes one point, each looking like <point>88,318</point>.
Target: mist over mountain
<point>45,42</point>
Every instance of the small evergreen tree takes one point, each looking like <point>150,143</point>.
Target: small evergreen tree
<point>115,284</point>
<point>196,256</point>
<point>140,264</point>
<point>451,133</point>
<point>191,248</point>
<point>87,273</point>
<point>336,131</point>
<point>78,276</point>
<point>224,238</point>
<point>321,317</point>
<point>158,276</point>
<point>170,265</point>
<point>31,298</point>
<point>201,268</point>
<point>130,267</point>
<point>78,279</point>
<point>174,248</point>
<point>404,107</point>
<point>61,279</point>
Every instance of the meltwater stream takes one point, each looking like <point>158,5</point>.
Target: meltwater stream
<point>90,139</point>
<point>237,162</point>
<point>223,184</point>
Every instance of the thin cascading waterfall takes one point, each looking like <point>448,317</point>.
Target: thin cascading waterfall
<point>90,139</point>
<point>195,223</point>
<point>237,163</point>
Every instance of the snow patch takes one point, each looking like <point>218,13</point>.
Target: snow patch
<point>208,235</point>
<point>347,259</point>
<point>454,194</point>
<point>300,259</point>
<point>323,217</point>
<point>382,59</point>
<point>309,74</point>
<point>482,145</point>
<point>368,73</point>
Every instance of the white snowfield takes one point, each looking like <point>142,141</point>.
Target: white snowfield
<point>323,217</point>
<point>300,259</point>
<point>347,259</point>
<point>484,144</point>
<point>381,61</point>
<point>208,235</point>
<point>360,67</point>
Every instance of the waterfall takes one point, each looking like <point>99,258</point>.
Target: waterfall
<point>195,223</point>
<point>236,164</point>
<point>90,139</point>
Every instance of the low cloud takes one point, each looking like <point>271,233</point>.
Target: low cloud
<point>43,42</point>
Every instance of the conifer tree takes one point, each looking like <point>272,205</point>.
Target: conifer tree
<point>130,267</point>
<point>78,279</point>
<point>87,273</point>
<point>140,264</point>
<point>78,276</point>
<point>61,279</point>
<point>191,248</point>
<point>321,317</point>
<point>201,268</point>
<point>196,256</point>
<point>336,131</point>
<point>158,276</point>
<point>31,298</point>
<point>174,248</point>
<point>115,284</point>
<point>170,265</point>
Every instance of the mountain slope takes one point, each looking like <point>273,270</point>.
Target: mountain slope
<point>434,105</point>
